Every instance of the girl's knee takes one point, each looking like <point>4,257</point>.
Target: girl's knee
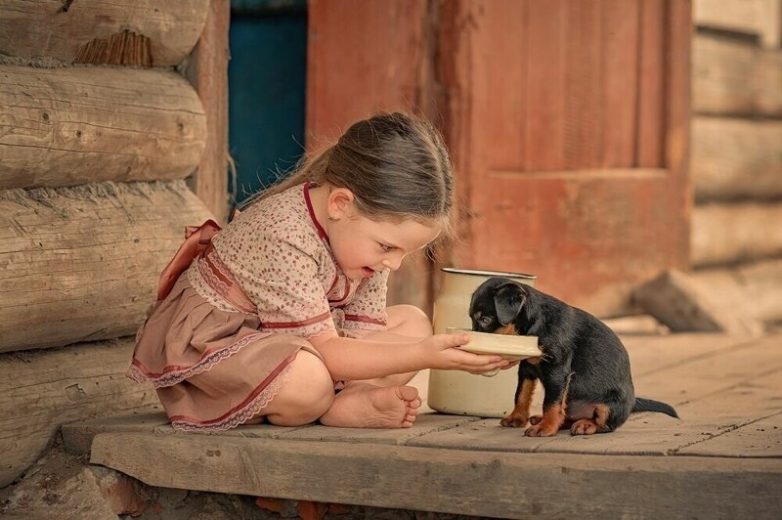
<point>409,320</point>
<point>307,392</point>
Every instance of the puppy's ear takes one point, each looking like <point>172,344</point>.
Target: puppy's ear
<point>508,301</point>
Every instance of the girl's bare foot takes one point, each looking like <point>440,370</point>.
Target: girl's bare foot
<point>370,406</point>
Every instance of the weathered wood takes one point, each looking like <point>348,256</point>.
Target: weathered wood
<point>81,264</point>
<point>41,390</point>
<point>762,18</point>
<point>735,78</point>
<point>735,158</point>
<point>755,288</point>
<point>720,385</point>
<point>207,71</point>
<point>97,32</point>
<point>729,233</point>
<point>537,155</point>
<point>675,300</point>
<point>68,126</point>
<point>508,485</point>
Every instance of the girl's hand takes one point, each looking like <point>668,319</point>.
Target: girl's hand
<point>440,352</point>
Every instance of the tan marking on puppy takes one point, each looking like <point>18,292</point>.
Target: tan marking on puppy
<point>550,423</point>
<point>509,329</point>
<point>597,424</point>
<point>520,414</point>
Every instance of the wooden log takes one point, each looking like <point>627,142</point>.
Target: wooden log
<point>760,18</point>
<point>754,288</point>
<point>731,233</point>
<point>678,302</point>
<point>735,78</point>
<point>208,73</point>
<point>122,32</point>
<point>81,264</point>
<point>735,158</point>
<point>68,126</point>
<point>39,391</point>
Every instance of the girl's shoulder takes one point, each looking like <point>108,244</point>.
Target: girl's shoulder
<point>280,218</point>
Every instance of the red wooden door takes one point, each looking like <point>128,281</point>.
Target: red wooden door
<point>568,124</point>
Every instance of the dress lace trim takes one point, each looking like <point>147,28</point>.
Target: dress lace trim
<point>174,375</point>
<point>241,416</point>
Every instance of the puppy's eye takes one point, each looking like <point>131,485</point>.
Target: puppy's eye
<point>485,321</point>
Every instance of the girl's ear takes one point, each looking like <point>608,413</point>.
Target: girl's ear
<point>340,203</point>
<point>508,301</point>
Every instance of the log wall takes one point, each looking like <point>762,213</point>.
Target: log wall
<point>81,264</point>
<point>736,154</point>
<point>98,130</point>
<point>41,390</point>
<point>121,32</point>
<point>66,126</point>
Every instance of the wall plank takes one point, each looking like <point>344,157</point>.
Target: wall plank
<point>81,264</point>
<point>736,158</point>
<point>730,233</point>
<point>68,32</point>
<point>735,78</point>
<point>39,391</point>
<point>68,126</point>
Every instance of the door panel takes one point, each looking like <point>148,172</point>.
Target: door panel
<point>568,126</point>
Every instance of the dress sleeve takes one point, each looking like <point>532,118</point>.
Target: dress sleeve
<point>367,310</point>
<point>282,281</point>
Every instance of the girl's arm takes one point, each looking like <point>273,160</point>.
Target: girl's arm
<point>352,359</point>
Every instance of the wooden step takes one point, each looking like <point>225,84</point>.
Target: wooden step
<point>722,459</point>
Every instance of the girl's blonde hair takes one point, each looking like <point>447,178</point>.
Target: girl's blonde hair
<point>396,165</point>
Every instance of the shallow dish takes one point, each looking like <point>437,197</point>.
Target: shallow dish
<point>510,347</point>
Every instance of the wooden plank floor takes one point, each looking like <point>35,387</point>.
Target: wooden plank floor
<point>723,459</point>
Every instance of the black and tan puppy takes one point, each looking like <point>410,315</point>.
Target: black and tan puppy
<point>585,369</point>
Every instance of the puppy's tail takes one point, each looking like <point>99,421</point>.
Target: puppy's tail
<point>650,405</point>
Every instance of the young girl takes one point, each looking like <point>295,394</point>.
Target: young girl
<point>282,315</point>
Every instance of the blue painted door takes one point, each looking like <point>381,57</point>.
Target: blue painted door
<point>266,85</point>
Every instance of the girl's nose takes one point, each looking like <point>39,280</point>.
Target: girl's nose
<point>393,263</point>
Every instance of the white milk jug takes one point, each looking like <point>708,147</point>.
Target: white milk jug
<point>455,391</point>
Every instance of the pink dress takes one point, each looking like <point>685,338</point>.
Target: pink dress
<point>236,305</point>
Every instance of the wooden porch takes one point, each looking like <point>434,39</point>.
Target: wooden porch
<point>723,459</point>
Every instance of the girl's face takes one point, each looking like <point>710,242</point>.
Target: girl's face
<point>363,246</point>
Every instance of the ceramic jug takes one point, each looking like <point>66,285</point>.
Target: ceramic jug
<point>455,391</point>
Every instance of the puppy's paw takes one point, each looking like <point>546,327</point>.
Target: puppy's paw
<point>541,430</point>
<point>584,427</point>
<point>514,420</point>
<point>535,419</point>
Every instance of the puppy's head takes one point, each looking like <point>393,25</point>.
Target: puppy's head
<point>495,304</point>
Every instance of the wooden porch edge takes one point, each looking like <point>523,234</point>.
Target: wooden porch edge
<point>508,485</point>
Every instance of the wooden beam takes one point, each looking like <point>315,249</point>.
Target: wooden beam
<point>39,391</point>
<point>735,78</point>
<point>730,233</point>
<point>67,126</point>
<point>761,18</point>
<point>81,264</point>
<point>736,158</point>
<point>207,70</point>
<point>98,32</point>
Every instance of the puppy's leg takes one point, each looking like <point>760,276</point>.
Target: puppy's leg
<point>528,378</point>
<point>554,404</point>
<point>520,414</point>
